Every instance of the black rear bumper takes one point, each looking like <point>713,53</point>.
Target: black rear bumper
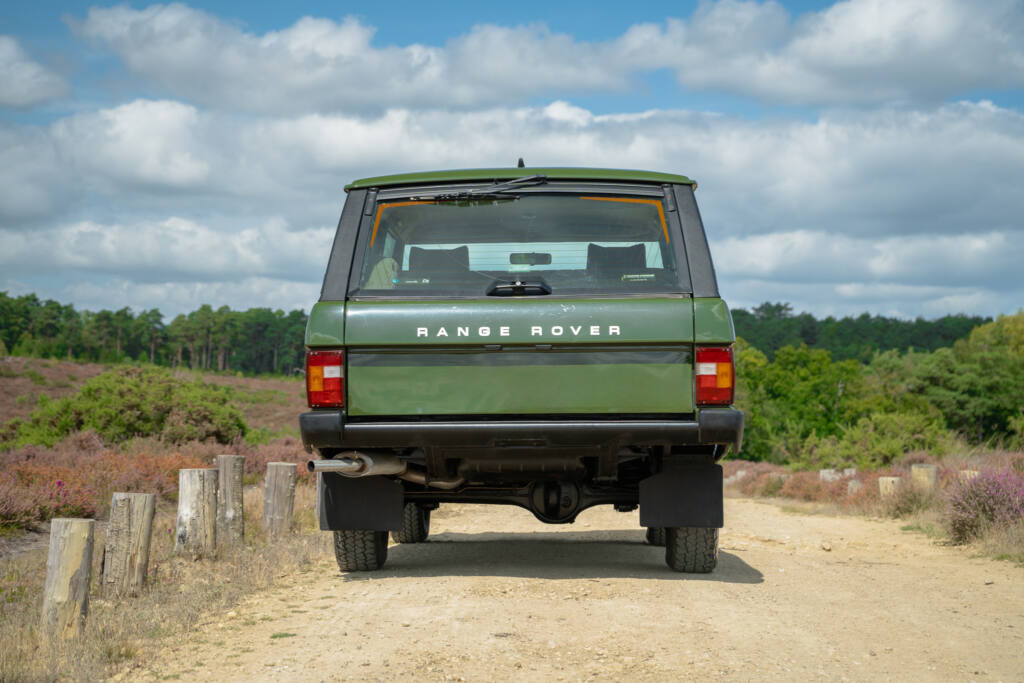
<point>329,429</point>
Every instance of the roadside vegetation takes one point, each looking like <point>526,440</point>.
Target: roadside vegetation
<point>959,407</point>
<point>131,429</point>
<point>89,430</point>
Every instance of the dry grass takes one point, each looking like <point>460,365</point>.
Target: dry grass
<point>1005,543</point>
<point>125,633</point>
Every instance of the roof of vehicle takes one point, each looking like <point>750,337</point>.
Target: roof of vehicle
<point>496,174</point>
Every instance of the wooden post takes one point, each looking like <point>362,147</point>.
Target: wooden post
<point>924,477</point>
<point>279,498</point>
<point>230,511</point>
<point>196,532</point>
<point>126,555</point>
<point>68,575</point>
<point>887,486</point>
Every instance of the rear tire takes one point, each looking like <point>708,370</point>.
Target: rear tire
<point>656,535</point>
<point>415,525</point>
<point>360,550</point>
<point>691,549</point>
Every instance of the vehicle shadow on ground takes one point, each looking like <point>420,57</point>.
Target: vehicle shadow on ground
<point>556,555</point>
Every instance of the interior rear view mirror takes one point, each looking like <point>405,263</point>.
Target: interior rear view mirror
<point>529,259</point>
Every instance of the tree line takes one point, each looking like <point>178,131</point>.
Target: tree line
<point>771,326</point>
<point>262,340</point>
<point>258,340</point>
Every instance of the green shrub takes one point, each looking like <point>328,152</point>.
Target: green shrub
<point>131,402</point>
<point>880,439</point>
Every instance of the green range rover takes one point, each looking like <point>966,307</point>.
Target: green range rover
<point>551,338</point>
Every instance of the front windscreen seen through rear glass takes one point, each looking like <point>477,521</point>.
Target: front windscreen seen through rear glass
<point>574,244</point>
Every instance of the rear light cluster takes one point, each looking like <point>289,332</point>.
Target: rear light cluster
<point>325,379</point>
<point>715,375</point>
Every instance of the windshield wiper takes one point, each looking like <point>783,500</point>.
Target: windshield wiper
<point>518,288</point>
<point>491,190</point>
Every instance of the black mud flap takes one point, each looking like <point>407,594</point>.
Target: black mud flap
<point>367,503</point>
<point>683,496</point>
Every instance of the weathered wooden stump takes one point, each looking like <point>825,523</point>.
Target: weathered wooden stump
<point>126,554</point>
<point>967,475</point>
<point>924,477</point>
<point>196,532</point>
<point>828,475</point>
<point>230,510</point>
<point>279,498</point>
<point>68,574</point>
<point>887,486</point>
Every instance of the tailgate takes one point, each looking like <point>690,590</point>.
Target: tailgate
<point>520,356</point>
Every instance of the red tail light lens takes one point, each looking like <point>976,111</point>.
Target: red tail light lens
<point>715,375</point>
<point>325,379</point>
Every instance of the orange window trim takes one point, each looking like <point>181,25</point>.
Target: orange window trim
<point>380,210</point>
<point>633,200</point>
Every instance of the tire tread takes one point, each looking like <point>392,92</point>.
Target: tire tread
<point>359,550</point>
<point>415,525</point>
<point>690,549</point>
<point>656,535</point>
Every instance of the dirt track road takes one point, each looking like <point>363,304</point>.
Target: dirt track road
<point>496,595</point>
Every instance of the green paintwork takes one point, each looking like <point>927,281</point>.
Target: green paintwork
<point>550,389</point>
<point>554,384</point>
<point>397,323</point>
<point>496,174</point>
<point>326,325</point>
<point>712,322</point>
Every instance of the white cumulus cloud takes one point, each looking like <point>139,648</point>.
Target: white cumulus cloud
<point>142,142</point>
<point>853,52</point>
<point>25,82</point>
<point>173,249</point>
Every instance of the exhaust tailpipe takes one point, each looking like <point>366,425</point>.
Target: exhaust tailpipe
<point>347,466</point>
<point>359,464</point>
<point>362,464</point>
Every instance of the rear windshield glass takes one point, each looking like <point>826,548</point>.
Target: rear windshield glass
<point>569,243</point>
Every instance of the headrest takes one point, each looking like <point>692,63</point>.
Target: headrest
<point>620,259</point>
<point>439,260</point>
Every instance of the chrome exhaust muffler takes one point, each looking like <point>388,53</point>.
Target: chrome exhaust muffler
<point>363,464</point>
<point>360,464</point>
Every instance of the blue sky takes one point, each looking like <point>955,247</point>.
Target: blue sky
<point>852,156</point>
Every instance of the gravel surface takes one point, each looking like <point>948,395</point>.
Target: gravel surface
<point>496,595</point>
